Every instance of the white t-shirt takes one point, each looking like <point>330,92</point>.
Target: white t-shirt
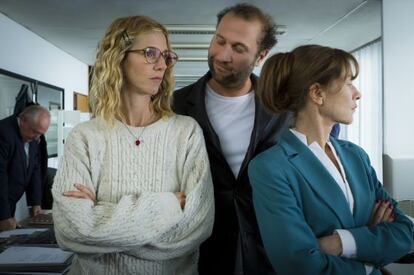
<point>232,119</point>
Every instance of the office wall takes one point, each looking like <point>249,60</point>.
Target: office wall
<point>25,53</point>
<point>398,54</point>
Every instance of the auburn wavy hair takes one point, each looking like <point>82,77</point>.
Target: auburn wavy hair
<point>107,77</point>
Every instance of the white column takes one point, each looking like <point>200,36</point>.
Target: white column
<point>398,53</point>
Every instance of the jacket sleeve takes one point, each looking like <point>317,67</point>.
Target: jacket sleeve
<point>81,226</point>
<point>34,188</point>
<point>4,190</point>
<point>197,222</point>
<point>289,242</point>
<point>387,241</point>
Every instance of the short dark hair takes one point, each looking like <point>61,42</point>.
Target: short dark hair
<point>286,77</point>
<point>249,12</point>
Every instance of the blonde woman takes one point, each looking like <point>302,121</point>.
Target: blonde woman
<point>133,192</point>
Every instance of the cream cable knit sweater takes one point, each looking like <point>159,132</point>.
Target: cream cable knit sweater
<point>137,225</point>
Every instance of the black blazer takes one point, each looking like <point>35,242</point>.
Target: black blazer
<point>15,176</point>
<point>234,215</point>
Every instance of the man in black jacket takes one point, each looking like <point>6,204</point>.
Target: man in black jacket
<point>19,162</point>
<point>236,128</point>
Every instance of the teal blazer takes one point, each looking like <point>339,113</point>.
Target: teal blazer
<point>297,201</point>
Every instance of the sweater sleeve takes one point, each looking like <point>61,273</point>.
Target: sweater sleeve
<point>197,223</point>
<point>83,227</point>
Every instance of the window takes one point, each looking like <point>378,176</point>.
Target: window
<point>366,130</point>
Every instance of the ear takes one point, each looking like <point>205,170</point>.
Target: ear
<point>316,94</point>
<point>262,55</point>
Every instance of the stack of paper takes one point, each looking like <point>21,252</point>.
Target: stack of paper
<point>34,259</point>
<point>18,232</point>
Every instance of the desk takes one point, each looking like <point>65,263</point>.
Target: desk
<point>46,237</point>
<point>41,240</point>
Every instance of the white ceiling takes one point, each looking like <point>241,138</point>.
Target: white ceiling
<point>76,26</point>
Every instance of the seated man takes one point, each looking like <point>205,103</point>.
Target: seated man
<point>19,162</point>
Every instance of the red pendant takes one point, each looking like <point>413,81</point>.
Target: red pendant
<point>137,142</point>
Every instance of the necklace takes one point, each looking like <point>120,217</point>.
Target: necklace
<point>136,138</point>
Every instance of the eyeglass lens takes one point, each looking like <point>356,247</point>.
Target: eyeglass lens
<point>153,54</point>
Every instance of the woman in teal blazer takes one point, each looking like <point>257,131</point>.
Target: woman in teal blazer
<point>319,204</point>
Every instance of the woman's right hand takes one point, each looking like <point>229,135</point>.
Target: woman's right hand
<point>82,193</point>
<point>382,212</point>
<point>181,198</point>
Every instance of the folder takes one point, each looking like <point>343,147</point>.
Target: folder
<point>34,259</point>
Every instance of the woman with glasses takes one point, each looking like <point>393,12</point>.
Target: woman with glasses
<point>133,192</point>
<point>319,204</point>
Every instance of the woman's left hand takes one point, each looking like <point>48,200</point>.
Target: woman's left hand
<point>382,212</point>
<point>331,244</point>
<point>83,193</point>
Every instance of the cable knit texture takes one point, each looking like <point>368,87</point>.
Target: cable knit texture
<point>137,225</point>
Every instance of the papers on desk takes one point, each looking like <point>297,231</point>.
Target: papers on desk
<point>34,255</point>
<point>34,259</point>
<point>41,219</point>
<point>27,231</point>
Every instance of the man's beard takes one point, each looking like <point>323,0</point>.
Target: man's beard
<point>234,79</point>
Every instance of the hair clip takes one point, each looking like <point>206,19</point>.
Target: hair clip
<point>126,38</point>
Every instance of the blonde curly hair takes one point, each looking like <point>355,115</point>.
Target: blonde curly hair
<point>107,76</point>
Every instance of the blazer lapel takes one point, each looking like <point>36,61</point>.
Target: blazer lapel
<point>197,110</point>
<point>318,177</point>
<point>20,147</point>
<point>354,172</point>
<point>31,156</point>
<point>261,118</point>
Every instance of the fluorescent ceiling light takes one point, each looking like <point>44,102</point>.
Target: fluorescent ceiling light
<point>208,29</point>
<point>191,29</point>
<point>190,46</point>
<point>192,59</point>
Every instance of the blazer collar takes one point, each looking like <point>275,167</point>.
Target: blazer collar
<point>318,177</point>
